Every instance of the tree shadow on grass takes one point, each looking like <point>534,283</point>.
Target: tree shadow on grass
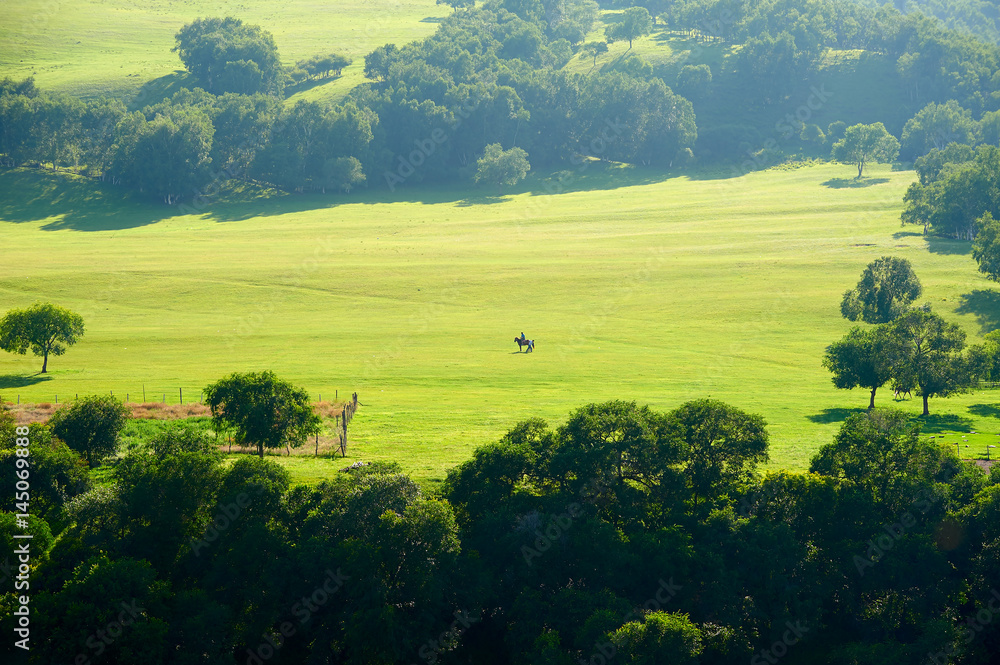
<point>939,245</point>
<point>837,415</point>
<point>985,410</point>
<point>8,381</point>
<point>937,423</point>
<point>853,183</point>
<point>73,202</point>
<point>158,89</point>
<point>481,199</point>
<point>984,305</point>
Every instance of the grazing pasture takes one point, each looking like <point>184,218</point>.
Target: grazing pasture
<point>635,286</point>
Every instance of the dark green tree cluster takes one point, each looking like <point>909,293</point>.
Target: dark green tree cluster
<point>915,349</point>
<point>226,55</point>
<point>624,533</point>
<point>958,186</point>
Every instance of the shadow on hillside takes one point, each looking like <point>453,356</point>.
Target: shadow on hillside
<point>836,415</point>
<point>73,202</point>
<point>481,199</point>
<point>985,410</point>
<point>308,84</point>
<point>939,245</point>
<point>853,183</point>
<point>431,19</point>
<point>158,89</point>
<point>937,423</point>
<point>8,381</point>
<point>984,305</point>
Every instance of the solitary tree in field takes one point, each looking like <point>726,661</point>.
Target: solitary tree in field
<point>595,49</point>
<point>929,355</point>
<point>457,4</point>
<point>862,359</point>
<point>43,328</point>
<point>263,410</point>
<point>502,167</point>
<point>635,23</point>
<point>91,426</point>
<point>887,287</point>
<point>866,143</point>
<point>986,248</point>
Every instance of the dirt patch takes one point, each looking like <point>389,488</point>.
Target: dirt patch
<point>41,412</point>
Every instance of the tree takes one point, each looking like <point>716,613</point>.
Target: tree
<point>724,445</point>
<point>43,328</point>
<point>862,359</point>
<point>595,49</point>
<point>887,287</point>
<point>936,126</point>
<point>693,80</point>
<point>379,61</point>
<point>502,167</point>
<point>865,143</point>
<point>929,356</point>
<point>986,247</point>
<point>91,426</point>
<point>263,410</point>
<point>635,22</point>
<point>878,450</point>
<point>457,4</point>
<point>227,56</point>
<point>658,638</point>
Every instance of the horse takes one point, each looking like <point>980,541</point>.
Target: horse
<point>899,392</point>
<point>530,343</point>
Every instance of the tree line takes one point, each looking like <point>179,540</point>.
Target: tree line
<point>495,75</point>
<point>623,533</point>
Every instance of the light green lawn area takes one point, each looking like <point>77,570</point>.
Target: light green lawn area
<point>97,47</point>
<point>644,288</point>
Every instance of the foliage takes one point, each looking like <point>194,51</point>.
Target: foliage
<point>502,167</point>
<point>955,190</point>
<point>865,143</point>
<point>91,426</point>
<point>986,247</point>
<point>225,55</point>
<point>936,126</point>
<point>262,410</point>
<point>635,22</point>
<point>862,359</point>
<point>887,287</point>
<point>43,328</point>
<point>930,355</point>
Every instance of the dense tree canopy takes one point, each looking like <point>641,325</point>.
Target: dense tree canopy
<point>226,55</point>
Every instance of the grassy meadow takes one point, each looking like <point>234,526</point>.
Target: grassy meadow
<point>635,286</point>
<point>91,48</point>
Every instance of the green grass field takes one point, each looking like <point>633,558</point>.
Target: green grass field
<point>636,286</point>
<point>97,47</point>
